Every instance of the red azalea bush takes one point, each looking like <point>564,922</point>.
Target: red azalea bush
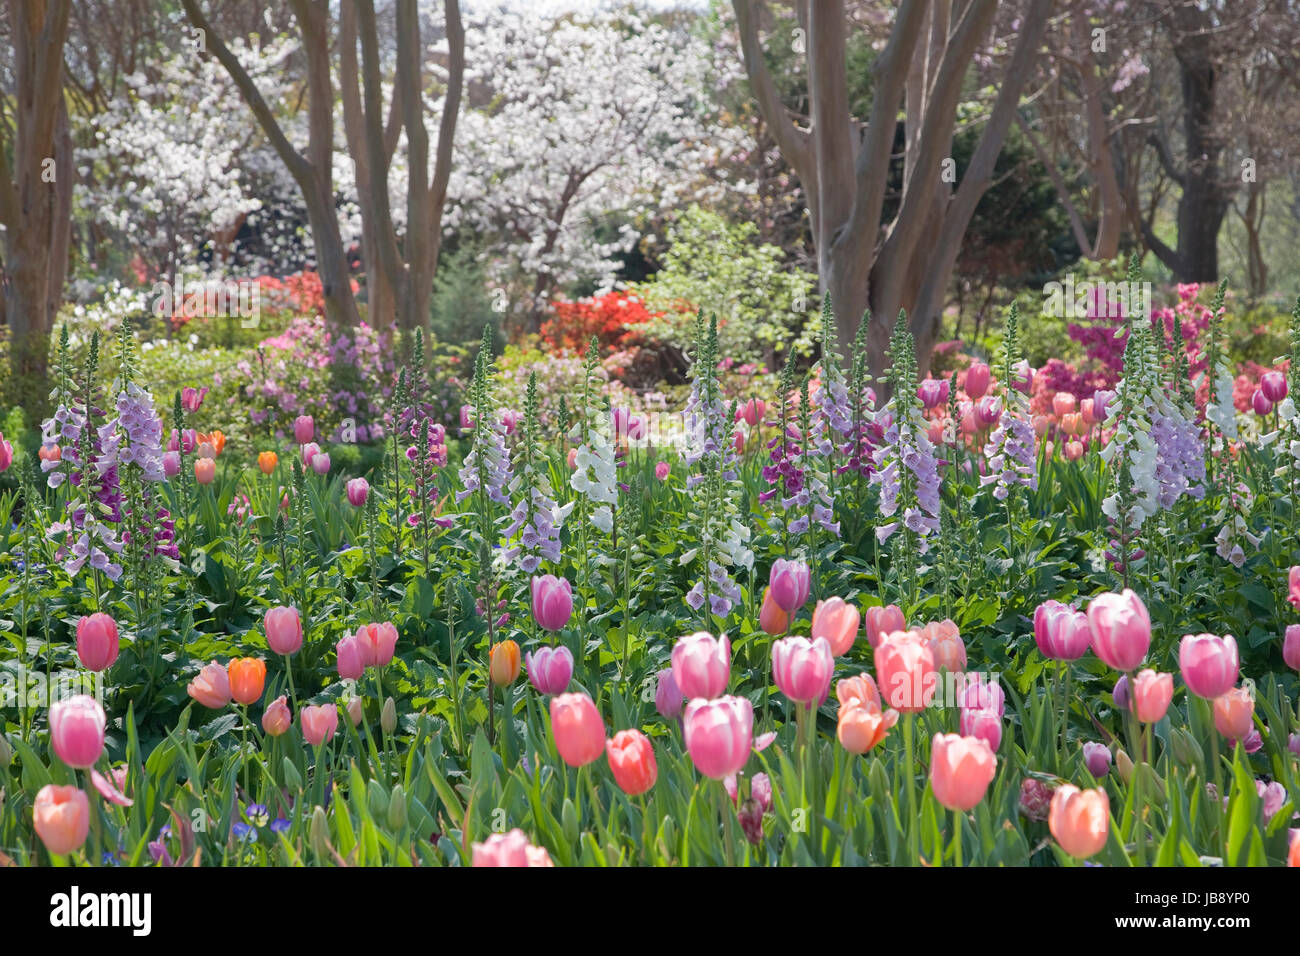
<point>612,318</point>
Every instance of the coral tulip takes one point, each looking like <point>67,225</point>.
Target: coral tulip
<point>205,471</point>
<point>961,769</point>
<point>577,728</point>
<point>1234,714</point>
<point>861,727</point>
<point>861,689</point>
<point>945,644</point>
<point>77,730</point>
<point>837,621</point>
<point>378,643</point>
<point>632,760</point>
<point>905,671</point>
<point>61,816</point>
<point>1063,403</point>
<point>1079,820</point>
<point>719,735</point>
<point>771,618</point>
<point>97,642</point>
<point>702,665</point>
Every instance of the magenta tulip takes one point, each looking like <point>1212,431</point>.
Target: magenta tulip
<point>790,582</point>
<point>1291,647</point>
<point>1096,757</point>
<point>978,377</point>
<point>983,724</point>
<point>358,490</point>
<point>1260,403</point>
<point>304,429</point>
<point>550,669</point>
<point>1273,385</point>
<point>552,601</point>
<point>1061,632</point>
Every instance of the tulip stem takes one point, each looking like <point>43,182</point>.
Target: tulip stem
<point>956,837</point>
<point>288,669</point>
<point>909,783</point>
<point>728,823</point>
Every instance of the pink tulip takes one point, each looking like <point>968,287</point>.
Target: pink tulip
<point>61,816</point>
<point>283,630</point>
<point>1061,632</point>
<point>1152,693</point>
<point>1260,403</point>
<point>356,710</point>
<point>378,643</point>
<point>192,398</point>
<point>77,730</point>
<point>978,377</point>
<point>790,582</point>
<point>351,663</point>
<point>309,452</point>
<point>358,490</point>
<point>1293,587</point>
<point>837,621</point>
<point>97,642</point>
<point>550,669</point>
<point>933,392</point>
<point>171,464</point>
<point>1291,647</point>
<point>1063,403</point>
<point>1086,412</point>
<point>1210,664</point>
<point>662,470</point>
<point>320,463</point>
<point>983,724</point>
<point>905,671</point>
<point>1101,400</point>
<point>669,699</point>
<point>719,735</point>
<point>1121,629</point>
<point>509,849</point>
<point>1023,377</point>
<point>702,665</point>
<point>802,669</point>
<point>752,412</point>
<point>961,769</point>
<point>211,686</point>
<point>881,621</point>
<point>1073,450</point>
<point>577,728</point>
<point>318,723</point>
<point>304,429</point>
<point>1273,385</point>
<point>976,693</point>
<point>552,601</point>
<point>277,719</point>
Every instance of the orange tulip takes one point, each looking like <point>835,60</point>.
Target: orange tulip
<point>205,471</point>
<point>1079,819</point>
<point>215,438</point>
<point>861,690</point>
<point>267,461</point>
<point>771,618</point>
<point>504,663</point>
<point>862,726</point>
<point>1293,858</point>
<point>247,677</point>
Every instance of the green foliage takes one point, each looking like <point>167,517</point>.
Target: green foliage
<point>461,306</point>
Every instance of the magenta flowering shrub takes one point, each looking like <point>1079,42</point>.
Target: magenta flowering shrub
<point>306,371</point>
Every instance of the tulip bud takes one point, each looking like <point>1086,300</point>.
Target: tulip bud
<point>1185,748</point>
<point>397,807</point>
<point>388,716</point>
<point>376,799</point>
<point>1124,765</point>
<point>292,778</point>
<point>319,832</point>
<point>569,820</point>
